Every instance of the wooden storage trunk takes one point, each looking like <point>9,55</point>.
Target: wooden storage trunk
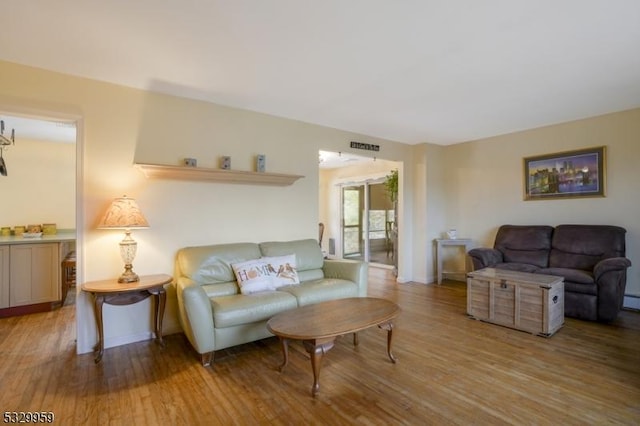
<point>520,300</point>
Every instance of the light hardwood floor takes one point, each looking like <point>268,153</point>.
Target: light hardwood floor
<point>450,370</point>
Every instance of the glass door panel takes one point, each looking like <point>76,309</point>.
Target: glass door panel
<point>381,219</point>
<point>368,219</point>
<point>352,207</point>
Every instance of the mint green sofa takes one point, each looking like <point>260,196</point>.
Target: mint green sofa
<point>214,314</point>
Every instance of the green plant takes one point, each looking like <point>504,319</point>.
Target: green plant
<point>391,185</point>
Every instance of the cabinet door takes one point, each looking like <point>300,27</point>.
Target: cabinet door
<point>4,277</point>
<point>34,274</point>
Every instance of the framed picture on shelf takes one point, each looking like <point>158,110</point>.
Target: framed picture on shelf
<point>570,174</point>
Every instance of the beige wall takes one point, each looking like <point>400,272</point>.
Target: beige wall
<point>483,182</point>
<point>40,185</point>
<point>431,215</point>
<point>118,126</point>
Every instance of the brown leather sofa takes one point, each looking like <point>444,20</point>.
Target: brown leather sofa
<point>591,258</point>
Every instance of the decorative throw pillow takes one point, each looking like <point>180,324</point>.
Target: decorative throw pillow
<point>253,276</point>
<point>283,269</point>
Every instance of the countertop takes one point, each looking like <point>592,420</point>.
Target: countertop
<point>60,237</point>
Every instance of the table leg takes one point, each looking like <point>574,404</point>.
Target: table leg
<point>161,299</point>
<point>355,339</point>
<point>285,353</point>
<point>317,348</point>
<point>99,301</point>
<point>389,327</point>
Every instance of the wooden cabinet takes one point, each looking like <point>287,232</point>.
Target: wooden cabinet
<point>29,277</point>
<point>4,277</point>
<point>34,274</point>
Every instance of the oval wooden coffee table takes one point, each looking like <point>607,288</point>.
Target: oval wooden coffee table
<point>318,326</point>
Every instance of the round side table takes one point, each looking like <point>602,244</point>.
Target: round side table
<point>114,293</point>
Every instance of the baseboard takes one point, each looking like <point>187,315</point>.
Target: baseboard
<point>167,329</point>
<point>132,338</point>
<point>631,302</point>
<point>402,280</point>
<point>125,340</point>
<point>119,341</point>
<point>423,280</point>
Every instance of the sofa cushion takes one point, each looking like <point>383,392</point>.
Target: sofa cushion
<point>573,287</point>
<point>520,267</point>
<point>308,253</point>
<point>582,246</point>
<point>212,264</point>
<point>254,276</point>
<point>244,309</point>
<point>573,275</point>
<point>525,244</point>
<point>220,289</point>
<point>310,292</point>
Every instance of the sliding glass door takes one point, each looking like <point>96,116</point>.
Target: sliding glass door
<point>368,219</point>
<point>352,229</point>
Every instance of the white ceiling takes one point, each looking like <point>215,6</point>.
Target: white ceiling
<point>438,71</point>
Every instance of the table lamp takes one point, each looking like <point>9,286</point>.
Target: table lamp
<point>124,213</point>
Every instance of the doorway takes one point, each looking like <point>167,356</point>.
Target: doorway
<point>356,208</point>
<point>368,223</point>
<point>42,180</point>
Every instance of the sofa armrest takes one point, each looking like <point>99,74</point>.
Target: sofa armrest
<point>196,315</point>
<point>608,265</point>
<point>485,257</point>
<point>610,276</point>
<point>352,270</point>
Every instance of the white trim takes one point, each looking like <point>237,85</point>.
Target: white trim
<point>81,339</point>
<point>125,340</point>
<point>15,109</point>
<point>424,280</point>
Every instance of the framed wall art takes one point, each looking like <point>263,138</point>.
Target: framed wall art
<point>570,174</point>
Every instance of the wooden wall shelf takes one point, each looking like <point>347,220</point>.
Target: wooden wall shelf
<point>216,175</point>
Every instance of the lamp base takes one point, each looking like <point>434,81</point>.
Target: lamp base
<point>128,276</point>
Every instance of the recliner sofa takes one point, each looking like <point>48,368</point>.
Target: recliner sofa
<point>215,314</point>
<point>590,258</point>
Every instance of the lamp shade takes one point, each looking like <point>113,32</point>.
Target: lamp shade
<point>123,213</point>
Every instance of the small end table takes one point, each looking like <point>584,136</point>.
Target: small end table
<point>440,243</point>
<point>114,293</point>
